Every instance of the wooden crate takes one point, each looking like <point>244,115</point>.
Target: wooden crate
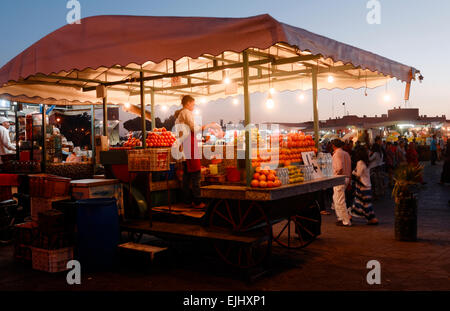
<point>51,260</point>
<point>39,205</point>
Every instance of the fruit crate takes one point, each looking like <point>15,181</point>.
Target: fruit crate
<point>51,222</point>
<point>22,253</point>
<point>51,260</point>
<point>39,205</point>
<point>52,241</point>
<point>149,160</point>
<point>24,236</point>
<point>25,233</point>
<point>47,186</point>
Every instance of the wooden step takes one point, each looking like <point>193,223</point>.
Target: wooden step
<point>149,249</point>
<point>178,230</point>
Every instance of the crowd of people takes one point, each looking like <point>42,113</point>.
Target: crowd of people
<point>369,169</point>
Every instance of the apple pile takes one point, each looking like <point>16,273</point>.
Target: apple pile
<point>160,138</point>
<point>265,178</point>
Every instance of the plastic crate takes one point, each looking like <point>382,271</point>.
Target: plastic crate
<point>39,205</point>
<point>22,253</point>
<point>51,260</point>
<point>24,234</point>
<point>149,160</point>
<point>51,221</point>
<point>52,241</point>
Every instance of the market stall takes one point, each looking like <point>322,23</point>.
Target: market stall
<point>209,58</point>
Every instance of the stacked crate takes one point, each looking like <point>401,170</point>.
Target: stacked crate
<point>46,189</point>
<point>52,243</point>
<point>24,236</point>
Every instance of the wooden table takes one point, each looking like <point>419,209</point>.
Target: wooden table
<point>270,194</point>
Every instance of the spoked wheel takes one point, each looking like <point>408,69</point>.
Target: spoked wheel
<point>298,230</point>
<point>242,218</point>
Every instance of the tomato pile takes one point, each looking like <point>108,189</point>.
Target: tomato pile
<point>160,138</point>
<point>265,178</point>
<point>133,142</point>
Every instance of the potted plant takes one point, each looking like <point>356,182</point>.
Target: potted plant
<point>405,202</point>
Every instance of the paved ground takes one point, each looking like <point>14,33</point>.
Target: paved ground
<point>336,261</point>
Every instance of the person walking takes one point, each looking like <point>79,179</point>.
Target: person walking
<point>412,157</point>
<point>375,167</point>
<point>401,153</point>
<point>390,162</point>
<point>341,166</point>
<point>433,149</point>
<point>362,205</point>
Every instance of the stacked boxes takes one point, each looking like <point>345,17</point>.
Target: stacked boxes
<point>51,244</point>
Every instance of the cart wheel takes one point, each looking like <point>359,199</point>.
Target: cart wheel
<point>298,230</point>
<point>239,217</point>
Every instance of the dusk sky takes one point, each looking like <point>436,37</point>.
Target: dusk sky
<point>412,32</point>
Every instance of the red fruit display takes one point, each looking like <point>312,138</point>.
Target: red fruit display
<point>160,138</point>
<point>133,142</point>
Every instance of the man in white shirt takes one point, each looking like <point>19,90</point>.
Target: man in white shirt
<point>5,142</point>
<point>342,165</point>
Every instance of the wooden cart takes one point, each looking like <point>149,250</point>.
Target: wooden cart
<point>242,222</point>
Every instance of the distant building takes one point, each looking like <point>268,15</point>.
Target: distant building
<point>397,116</point>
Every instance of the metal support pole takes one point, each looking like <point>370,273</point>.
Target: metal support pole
<point>152,94</point>
<point>141,89</point>
<point>44,134</point>
<point>105,116</point>
<point>16,108</point>
<point>93,136</point>
<point>248,163</point>
<point>315,107</point>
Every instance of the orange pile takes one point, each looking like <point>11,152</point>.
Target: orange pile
<point>265,178</point>
<point>290,149</point>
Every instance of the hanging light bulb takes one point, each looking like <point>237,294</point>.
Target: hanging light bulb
<point>227,80</point>
<point>272,91</point>
<point>301,97</point>
<point>235,101</point>
<point>196,111</point>
<point>203,100</point>
<point>164,108</point>
<point>387,97</point>
<point>127,105</point>
<point>330,79</point>
<point>269,102</point>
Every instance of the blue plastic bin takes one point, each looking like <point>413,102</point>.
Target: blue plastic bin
<point>98,233</point>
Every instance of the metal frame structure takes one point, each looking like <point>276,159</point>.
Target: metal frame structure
<point>247,69</point>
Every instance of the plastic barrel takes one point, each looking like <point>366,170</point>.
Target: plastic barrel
<point>98,233</point>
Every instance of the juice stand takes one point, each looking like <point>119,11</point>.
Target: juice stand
<point>208,58</point>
